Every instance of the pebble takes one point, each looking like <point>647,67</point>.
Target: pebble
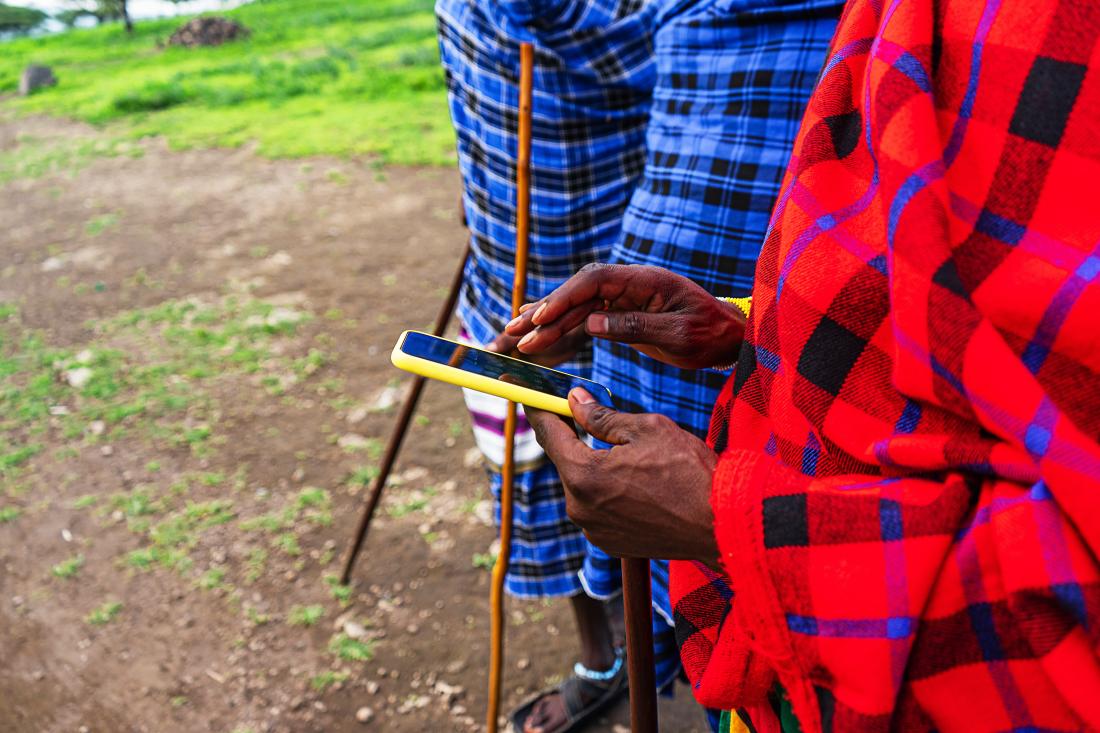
<point>354,630</point>
<point>66,535</point>
<point>364,715</point>
<point>523,663</point>
<point>412,629</point>
<point>107,450</point>
<point>78,378</point>
<point>372,687</point>
<point>352,441</point>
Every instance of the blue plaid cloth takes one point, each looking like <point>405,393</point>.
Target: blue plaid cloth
<point>733,79</point>
<point>593,80</point>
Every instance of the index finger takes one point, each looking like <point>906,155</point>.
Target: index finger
<point>593,282</point>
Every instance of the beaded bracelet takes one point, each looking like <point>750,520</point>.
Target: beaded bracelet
<point>743,305</point>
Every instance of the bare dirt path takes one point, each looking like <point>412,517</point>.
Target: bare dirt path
<point>202,339</point>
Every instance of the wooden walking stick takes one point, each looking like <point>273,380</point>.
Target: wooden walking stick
<point>401,427</point>
<point>637,606</point>
<point>508,470</point>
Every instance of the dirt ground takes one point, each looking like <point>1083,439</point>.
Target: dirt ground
<point>106,625</point>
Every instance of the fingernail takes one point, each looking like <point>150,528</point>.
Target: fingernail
<point>581,395</point>
<point>526,339</point>
<point>526,307</point>
<point>515,320</point>
<point>538,313</point>
<point>493,348</point>
<point>597,323</point>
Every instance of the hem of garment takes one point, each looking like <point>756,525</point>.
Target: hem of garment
<point>612,596</point>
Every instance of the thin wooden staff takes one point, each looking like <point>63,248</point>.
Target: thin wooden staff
<point>401,427</point>
<point>638,609</point>
<point>508,471</point>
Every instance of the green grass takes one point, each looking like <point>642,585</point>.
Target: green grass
<point>330,77</point>
<point>305,615</point>
<point>105,614</point>
<point>351,650</point>
<point>324,680</point>
<point>68,568</point>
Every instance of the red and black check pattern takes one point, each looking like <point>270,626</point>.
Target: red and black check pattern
<point>906,497</point>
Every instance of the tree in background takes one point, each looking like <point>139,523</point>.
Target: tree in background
<point>18,20</point>
<point>101,10</point>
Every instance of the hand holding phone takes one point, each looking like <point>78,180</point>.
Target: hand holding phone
<point>485,371</point>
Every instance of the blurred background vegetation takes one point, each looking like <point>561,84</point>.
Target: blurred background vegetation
<point>323,77</point>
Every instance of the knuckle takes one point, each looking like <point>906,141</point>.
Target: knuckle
<point>632,324</point>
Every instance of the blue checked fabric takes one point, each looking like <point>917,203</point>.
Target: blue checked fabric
<point>733,79</point>
<point>594,73</point>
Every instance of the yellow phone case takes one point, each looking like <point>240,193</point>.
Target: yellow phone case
<point>478,382</point>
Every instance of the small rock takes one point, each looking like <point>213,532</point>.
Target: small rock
<point>523,663</point>
<point>358,415</point>
<point>78,378</point>
<point>97,427</point>
<point>364,715</point>
<point>107,450</point>
<point>386,399</point>
<point>473,458</point>
<point>354,630</point>
<point>52,264</point>
<point>35,77</point>
<point>66,535</point>
<point>352,441</point>
<point>412,629</point>
<point>17,601</point>
<point>59,410</point>
<point>372,687</point>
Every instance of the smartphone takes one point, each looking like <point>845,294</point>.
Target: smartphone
<point>484,371</point>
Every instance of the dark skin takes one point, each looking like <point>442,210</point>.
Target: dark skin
<point>662,314</point>
<point>649,495</point>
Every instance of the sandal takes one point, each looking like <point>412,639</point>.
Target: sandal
<point>601,688</point>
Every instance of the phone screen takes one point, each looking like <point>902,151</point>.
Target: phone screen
<point>496,366</point>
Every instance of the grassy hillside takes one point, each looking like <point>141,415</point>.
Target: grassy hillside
<point>334,77</point>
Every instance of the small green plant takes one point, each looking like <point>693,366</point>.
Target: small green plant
<point>408,507</point>
<point>256,618</point>
<point>9,514</point>
<point>324,680</point>
<point>484,560</point>
<point>305,615</point>
<point>68,568</point>
<point>105,614</point>
<point>85,501</point>
<point>288,543</point>
<point>257,563</point>
<point>212,578</point>
<point>99,224</point>
<point>341,593</point>
<point>351,650</point>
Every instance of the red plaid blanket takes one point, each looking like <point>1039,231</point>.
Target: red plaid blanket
<point>907,500</point>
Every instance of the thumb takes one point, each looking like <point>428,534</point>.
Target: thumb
<point>598,421</point>
<point>633,327</point>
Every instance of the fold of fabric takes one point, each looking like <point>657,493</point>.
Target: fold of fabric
<point>910,446</point>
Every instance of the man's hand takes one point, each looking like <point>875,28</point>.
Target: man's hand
<point>659,313</point>
<point>648,496</point>
<point>560,352</point>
